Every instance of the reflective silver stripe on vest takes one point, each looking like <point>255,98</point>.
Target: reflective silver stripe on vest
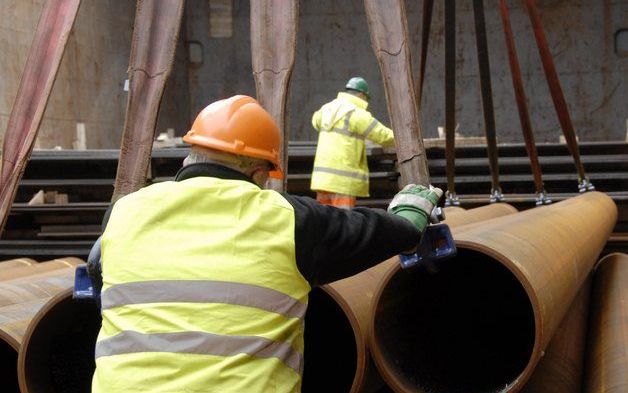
<point>345,129</point>
<point>202,291</point>
<point>201,343</point>
<point>340,172</point>
<point>370,128</point>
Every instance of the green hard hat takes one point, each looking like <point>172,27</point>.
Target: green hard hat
<point>358,83</point>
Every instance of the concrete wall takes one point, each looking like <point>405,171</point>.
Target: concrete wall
<point>89,85</point>
<point>333,44</point>
<point>90,82</point>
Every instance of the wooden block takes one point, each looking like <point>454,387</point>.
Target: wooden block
<point>37,199</point>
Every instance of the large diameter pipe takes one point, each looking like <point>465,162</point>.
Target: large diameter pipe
<point>561,367</point>
<point>335,323</point>
<point>20,300</point>
<point>606,369</point>
<point>482,322</point>
<point>39,268</point>
<point>16,263</point>
<point>338,320</point>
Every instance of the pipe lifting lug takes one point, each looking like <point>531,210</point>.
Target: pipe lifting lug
<point>496,195</point>
<point>585,185</point>
<point>542,198</point>
<point>451,199</point>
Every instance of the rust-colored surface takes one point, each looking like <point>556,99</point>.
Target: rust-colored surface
<point>487,92</point>
<point>554,86</point>
<point>428,9</point>
<point>20,300</point>
<point>39,268</point>
<point>64,330</point>
<point>560,369</point>
<point>480,214</point>
<point>483,320</point>
<point>155,36</point>
<point>520,96</point>
<point>40,71</point>
<point>16,263</point>
<point>450,94</point>
<point>388,28</point>
<point>354,296</point>
<point>606,369</point>
<point>273,51</point>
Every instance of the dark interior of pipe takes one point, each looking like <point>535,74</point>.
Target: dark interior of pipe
<point>330,349</point>
<point>8,368</point>
<point>60,355</point>
<point>467,328</point>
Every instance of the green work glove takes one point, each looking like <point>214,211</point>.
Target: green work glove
<point>415,203</point>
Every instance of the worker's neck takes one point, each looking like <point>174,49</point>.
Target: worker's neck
<point>211,170</point>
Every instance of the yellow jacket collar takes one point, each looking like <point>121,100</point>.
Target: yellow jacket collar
<point>357,101</point>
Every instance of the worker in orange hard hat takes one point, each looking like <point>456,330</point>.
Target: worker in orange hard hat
<point>205,279</point>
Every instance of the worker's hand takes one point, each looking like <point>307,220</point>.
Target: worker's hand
<point>415,203</point>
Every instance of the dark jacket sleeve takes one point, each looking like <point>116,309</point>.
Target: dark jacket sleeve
<point>94,267</point>
<point>333,243</point>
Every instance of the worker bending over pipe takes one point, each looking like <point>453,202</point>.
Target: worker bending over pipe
<point>340,171</point>
<point>205,279</point>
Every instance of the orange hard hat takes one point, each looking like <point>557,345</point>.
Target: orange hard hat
<point>241,126</point>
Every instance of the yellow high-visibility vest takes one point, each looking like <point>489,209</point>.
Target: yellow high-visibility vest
<point>340,164</point>
<point>201,291</point>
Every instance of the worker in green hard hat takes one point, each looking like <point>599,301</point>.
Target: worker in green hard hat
<point>340,169</point>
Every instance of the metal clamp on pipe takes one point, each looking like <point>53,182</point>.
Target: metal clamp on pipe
<point>437,244</point>
<point>83,286</point>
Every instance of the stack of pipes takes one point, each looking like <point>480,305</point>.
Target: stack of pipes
<point>508,313</point>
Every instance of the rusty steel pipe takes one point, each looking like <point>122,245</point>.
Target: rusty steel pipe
<point>560,369</point>
<point>606,368</point>
<point>482,322</point>
<point>39,268</point>
<point>20,299</point>
<point>335,323</point>
<point>352,296</point>
<point>16,263</point>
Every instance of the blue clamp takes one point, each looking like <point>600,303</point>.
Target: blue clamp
<point>436,244</point>
<point>83,286</point>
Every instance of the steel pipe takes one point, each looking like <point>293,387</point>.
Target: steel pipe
<point>39,268</point>
<point>335,323</point>
<point>17,262</point>
<point>560,369</point>
<point>482,322</point>
<point>606,368</point>
<point>352,295</point>
<point>20,299</point>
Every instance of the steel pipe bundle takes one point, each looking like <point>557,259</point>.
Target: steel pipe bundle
<point>482,322</point>
<point>606,369</point>
<point>335,323</point>
<point>20,299</point>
